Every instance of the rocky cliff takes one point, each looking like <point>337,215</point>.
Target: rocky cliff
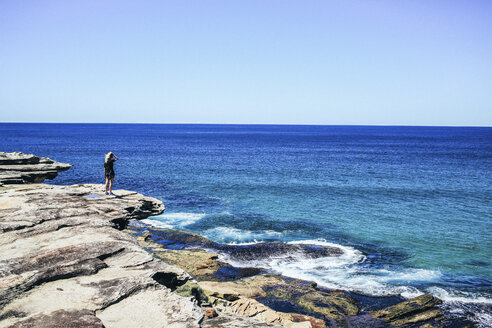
<point>64,263</point>
<point>18,168</point>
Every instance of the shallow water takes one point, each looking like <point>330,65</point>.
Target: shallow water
<point>411,206</point>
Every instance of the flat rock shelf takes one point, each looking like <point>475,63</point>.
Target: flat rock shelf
<point>20,168</point>
<point>64,263</point>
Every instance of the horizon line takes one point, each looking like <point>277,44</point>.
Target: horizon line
<point>276,124</point>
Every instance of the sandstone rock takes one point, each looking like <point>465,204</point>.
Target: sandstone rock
<point>48,208</point>
<point>152,308</point>
<point>18,168</point>
<point>234,321</point>
<point>332,304</point>
<point>418,317</point>
<point>415,310</point>
<point>63,263</point>
<point>233,290</point>
<point>62,319</point>
<point>246,307</point>
<point>199,263</point>
<point>209,313</point>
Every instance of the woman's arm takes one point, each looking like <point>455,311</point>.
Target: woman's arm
<point>115,158</point>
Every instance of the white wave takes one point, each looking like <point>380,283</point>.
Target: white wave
<point>342,272</point>
<point>346,271</point>
<point>173,220</point>
<point>459,305</point>
<point>451,295</point>
<point>238,236</point>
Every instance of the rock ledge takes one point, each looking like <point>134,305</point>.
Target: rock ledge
<point>19,168</point>
<point>63,263</point>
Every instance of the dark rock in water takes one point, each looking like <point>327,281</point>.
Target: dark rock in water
<point>418,309</point>
<point>168,237</point>
<point>282,305</point>
<point>477,263</point>
<point>276,249</point>
<point>226,273</point>
<point>374,303</point>
<point>459,314</point>
<point>364,321</point>
<point>176,239</point>
<point>19,168</point>
<point>331,304</point>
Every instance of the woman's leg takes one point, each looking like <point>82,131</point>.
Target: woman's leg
<point>106,187</point>
<point>111,186</point>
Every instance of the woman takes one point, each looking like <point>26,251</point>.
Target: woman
<point>109,172</point>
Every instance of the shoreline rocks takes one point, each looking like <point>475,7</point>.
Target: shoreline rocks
<point>64,261</point>
<point>20,168</point>
<point>421,308</point>
<point>279,300</point>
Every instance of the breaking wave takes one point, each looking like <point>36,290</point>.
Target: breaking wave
<point>173,220</point>
<point>235,236</point>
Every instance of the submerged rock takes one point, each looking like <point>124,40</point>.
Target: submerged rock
<point>19,168</point>
<point>195,252</point>
<point>201,264</point>
<point>418,309</point>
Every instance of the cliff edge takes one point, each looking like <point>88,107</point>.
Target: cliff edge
<point>19,168</point>
<point>63,263</point>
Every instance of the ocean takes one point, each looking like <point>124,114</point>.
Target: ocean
<point>410,206</point>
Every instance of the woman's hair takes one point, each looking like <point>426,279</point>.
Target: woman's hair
<point>108,157</point>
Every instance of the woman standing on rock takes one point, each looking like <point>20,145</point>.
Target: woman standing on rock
<point>109,172</point>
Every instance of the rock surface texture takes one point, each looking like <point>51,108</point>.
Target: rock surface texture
<point>63,263</point>
<point>19,168</point>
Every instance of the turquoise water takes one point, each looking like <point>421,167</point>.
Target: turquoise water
<point>411,206</point>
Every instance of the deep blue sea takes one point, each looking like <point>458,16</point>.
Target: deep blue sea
<point>411,206</point>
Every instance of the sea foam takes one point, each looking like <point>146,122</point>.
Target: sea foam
<point>346,271</point>
<point>236,236</point>
<point>173,220</point>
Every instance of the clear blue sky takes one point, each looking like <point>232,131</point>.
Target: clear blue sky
<point>302,62</point>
